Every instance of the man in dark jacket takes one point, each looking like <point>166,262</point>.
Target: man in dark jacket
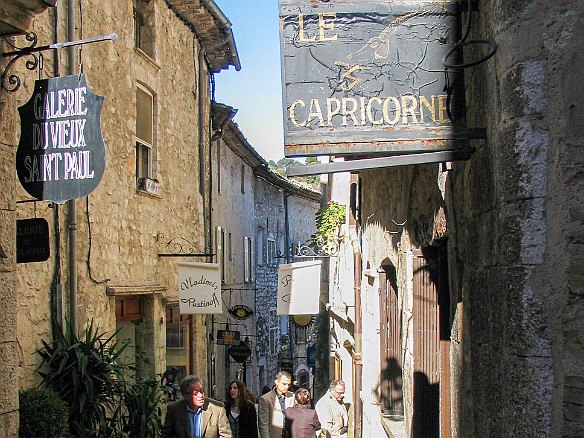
<point>195,416</point>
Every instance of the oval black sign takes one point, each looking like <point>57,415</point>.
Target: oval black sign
<point>240,312</point>
<point>61,153</point>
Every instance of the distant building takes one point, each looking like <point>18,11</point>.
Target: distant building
<point>259,215</point>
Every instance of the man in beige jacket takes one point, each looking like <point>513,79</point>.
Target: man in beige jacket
<point>332,412</point>
<point>271,407</point>
<point>195,416</point>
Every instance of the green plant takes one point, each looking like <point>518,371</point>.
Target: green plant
<point>328,220</point>
<point>42,414</point>
<point>141,418</point>
<point>88,375</point>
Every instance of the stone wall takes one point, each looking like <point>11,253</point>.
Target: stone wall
<point>512,215</point>
<point>117,224</point>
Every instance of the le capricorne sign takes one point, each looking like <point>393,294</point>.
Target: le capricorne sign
<point>61,153</point>
<point>364,76</point>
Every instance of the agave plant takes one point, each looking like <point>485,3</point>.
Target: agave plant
<point>88,374</point>
<point>141,417</point>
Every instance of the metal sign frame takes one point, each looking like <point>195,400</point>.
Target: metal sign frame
<point>364,77</point>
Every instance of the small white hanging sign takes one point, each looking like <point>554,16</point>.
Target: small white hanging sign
<point>199,288</point>
<point>299,288</point>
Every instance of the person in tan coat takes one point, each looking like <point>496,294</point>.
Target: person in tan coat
<point>271,407</point>
<point>332,412</point>
<point>195,416</point>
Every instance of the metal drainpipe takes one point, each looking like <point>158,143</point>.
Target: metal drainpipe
<point>71,208</point>
<point>201,94</point>
<point>288,260</point>
<point>358,355</point>
<point>358,330</point>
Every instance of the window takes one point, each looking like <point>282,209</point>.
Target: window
<point>247,259</point>
<point>143,28</point>
<point>230,248</point>
<point>144,133</point>
<point>271,250</point>
<point>260,188</point>
<point>284,325</point>
<point>282,249</point>
<point>221,249</point>
<point>260,246</point>
<point>242,178</point>
<point>274,327</point>
<point>301,335</point>
<point>281,201</point>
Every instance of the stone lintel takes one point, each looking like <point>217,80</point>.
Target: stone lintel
<point>134,290</point>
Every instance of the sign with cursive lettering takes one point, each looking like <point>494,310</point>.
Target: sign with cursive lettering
<point>298,288</point>
<point>199,288</point>
<point>61,153</point>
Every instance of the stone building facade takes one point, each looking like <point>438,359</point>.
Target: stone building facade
<point>485,252</point>
<point>259,215</point>
<point>153,199</point>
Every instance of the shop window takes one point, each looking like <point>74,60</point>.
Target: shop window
<point>177,341</point>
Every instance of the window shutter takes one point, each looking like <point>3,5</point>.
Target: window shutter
<point>246,264</point>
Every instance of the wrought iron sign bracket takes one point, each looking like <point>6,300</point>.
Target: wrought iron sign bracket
<point>180,247</point>
<point>31,50</point>
<point>311,250</point>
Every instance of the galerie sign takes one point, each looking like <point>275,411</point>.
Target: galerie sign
<point>367,76</point>
<point>61,153</point>
<point>298,288</point>
<point>199,288</point>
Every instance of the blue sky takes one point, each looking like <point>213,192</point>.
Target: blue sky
<point>255,90</point>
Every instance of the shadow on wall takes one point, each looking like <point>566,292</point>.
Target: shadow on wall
<point>425,420</point>
<point>389,390</point>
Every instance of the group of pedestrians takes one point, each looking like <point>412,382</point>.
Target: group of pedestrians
<point>279,413</point>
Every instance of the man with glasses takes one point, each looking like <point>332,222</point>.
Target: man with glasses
<point>332,412</point>
<point>195,416</point>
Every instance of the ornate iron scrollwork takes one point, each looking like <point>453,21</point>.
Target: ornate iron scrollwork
<point>31,64</point>
<point>31,50</point>
<point>312,250</point>
<point>180,247</point>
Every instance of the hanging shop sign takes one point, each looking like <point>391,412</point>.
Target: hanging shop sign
<point>240,351</point>
<point>303,320</point>
<point>366,77</point>
<point>227,337</point>
<point>240,312</point>
<point>199,290</point>
<point>298,288</point>
<point>61,153</point>
<point>32,240</point>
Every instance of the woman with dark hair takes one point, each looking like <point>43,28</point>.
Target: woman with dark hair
<point>241,411</point>
<point>301,421</point>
